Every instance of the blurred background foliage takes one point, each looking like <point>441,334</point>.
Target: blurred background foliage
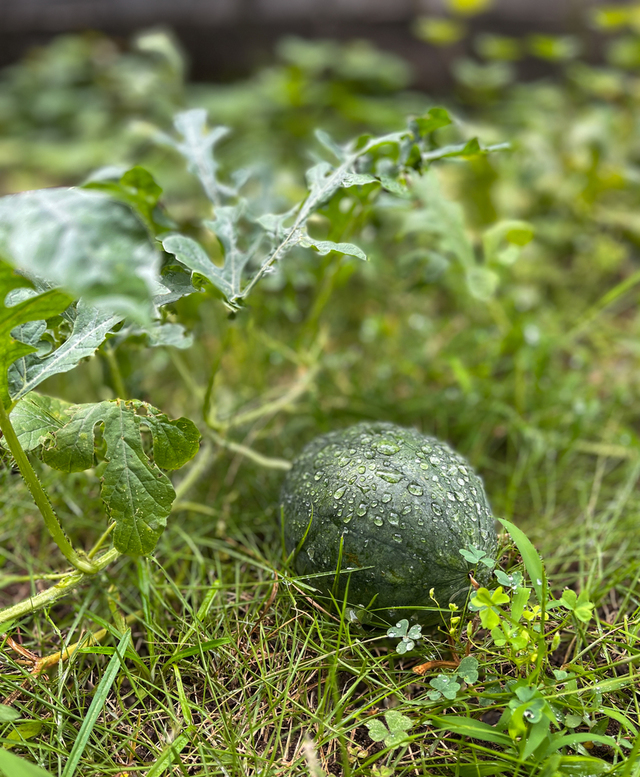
<point>530,368</point>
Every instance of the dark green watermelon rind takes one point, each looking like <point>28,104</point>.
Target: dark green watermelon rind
<point>407,558</point>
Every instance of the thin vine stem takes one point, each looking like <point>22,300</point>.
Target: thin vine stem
<point>40,497</point>
<point>58,591</point>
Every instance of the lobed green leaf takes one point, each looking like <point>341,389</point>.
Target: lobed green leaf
<point>136,494</point>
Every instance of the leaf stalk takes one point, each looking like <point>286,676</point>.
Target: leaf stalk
<point>41,499</point>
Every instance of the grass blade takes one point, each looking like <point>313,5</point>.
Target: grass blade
<point>12,766</point>
<point>469,727</point>
<point>532,560</point>
<point>168,755</point>
<point>197,650</point>
<point>97,704</point>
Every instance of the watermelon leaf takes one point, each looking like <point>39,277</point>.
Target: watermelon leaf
<point>136,494</point>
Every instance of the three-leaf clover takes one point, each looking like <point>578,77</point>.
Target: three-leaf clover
<point>580,605</point>
<point>468,669</point>
<point>448,685</point>
<point>488,603</point>
<point>396,733</point>
<point>476,556</point>
<point>408,636</point>
<point>514,580</point>
<point>444,685</point>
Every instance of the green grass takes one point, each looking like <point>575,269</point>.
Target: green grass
<point>292,689</point>
<point>233,668</point>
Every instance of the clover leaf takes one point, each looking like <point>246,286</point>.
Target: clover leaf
<point>476,556</point>
<point>396,733</point>
<point>580,605</point>
<point>514,581</point>
<point>468,669</point>
<point>408,636</point>
<point>444,685</point>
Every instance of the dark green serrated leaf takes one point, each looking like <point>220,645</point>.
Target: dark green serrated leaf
<point>137,495</point>
<point>84,242</point>
<point>174,442</point>
<point>36,417</point>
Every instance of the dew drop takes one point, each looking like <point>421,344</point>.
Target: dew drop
<point>339,493</point>
<point>388,448</point>
<point>378,520</point>
<point>397,537</point>
<point>436,508</point>
<point>406,509</point>
<point>318,475</point>
<point>451,497</point>
<point>394,519</point>
<point>390,475</point>
<point>415,489</point>
<point>362,469</point>
<point>362,509</point>
<point>424,465</point>
<point>386,498</point>
<point>347,518</point>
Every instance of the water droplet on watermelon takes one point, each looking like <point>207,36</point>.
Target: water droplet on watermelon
<point>390,475</point>
<point>388,448</point>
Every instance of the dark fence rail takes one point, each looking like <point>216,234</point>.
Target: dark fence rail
<point>65,15</point>
<point>228,38</point>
